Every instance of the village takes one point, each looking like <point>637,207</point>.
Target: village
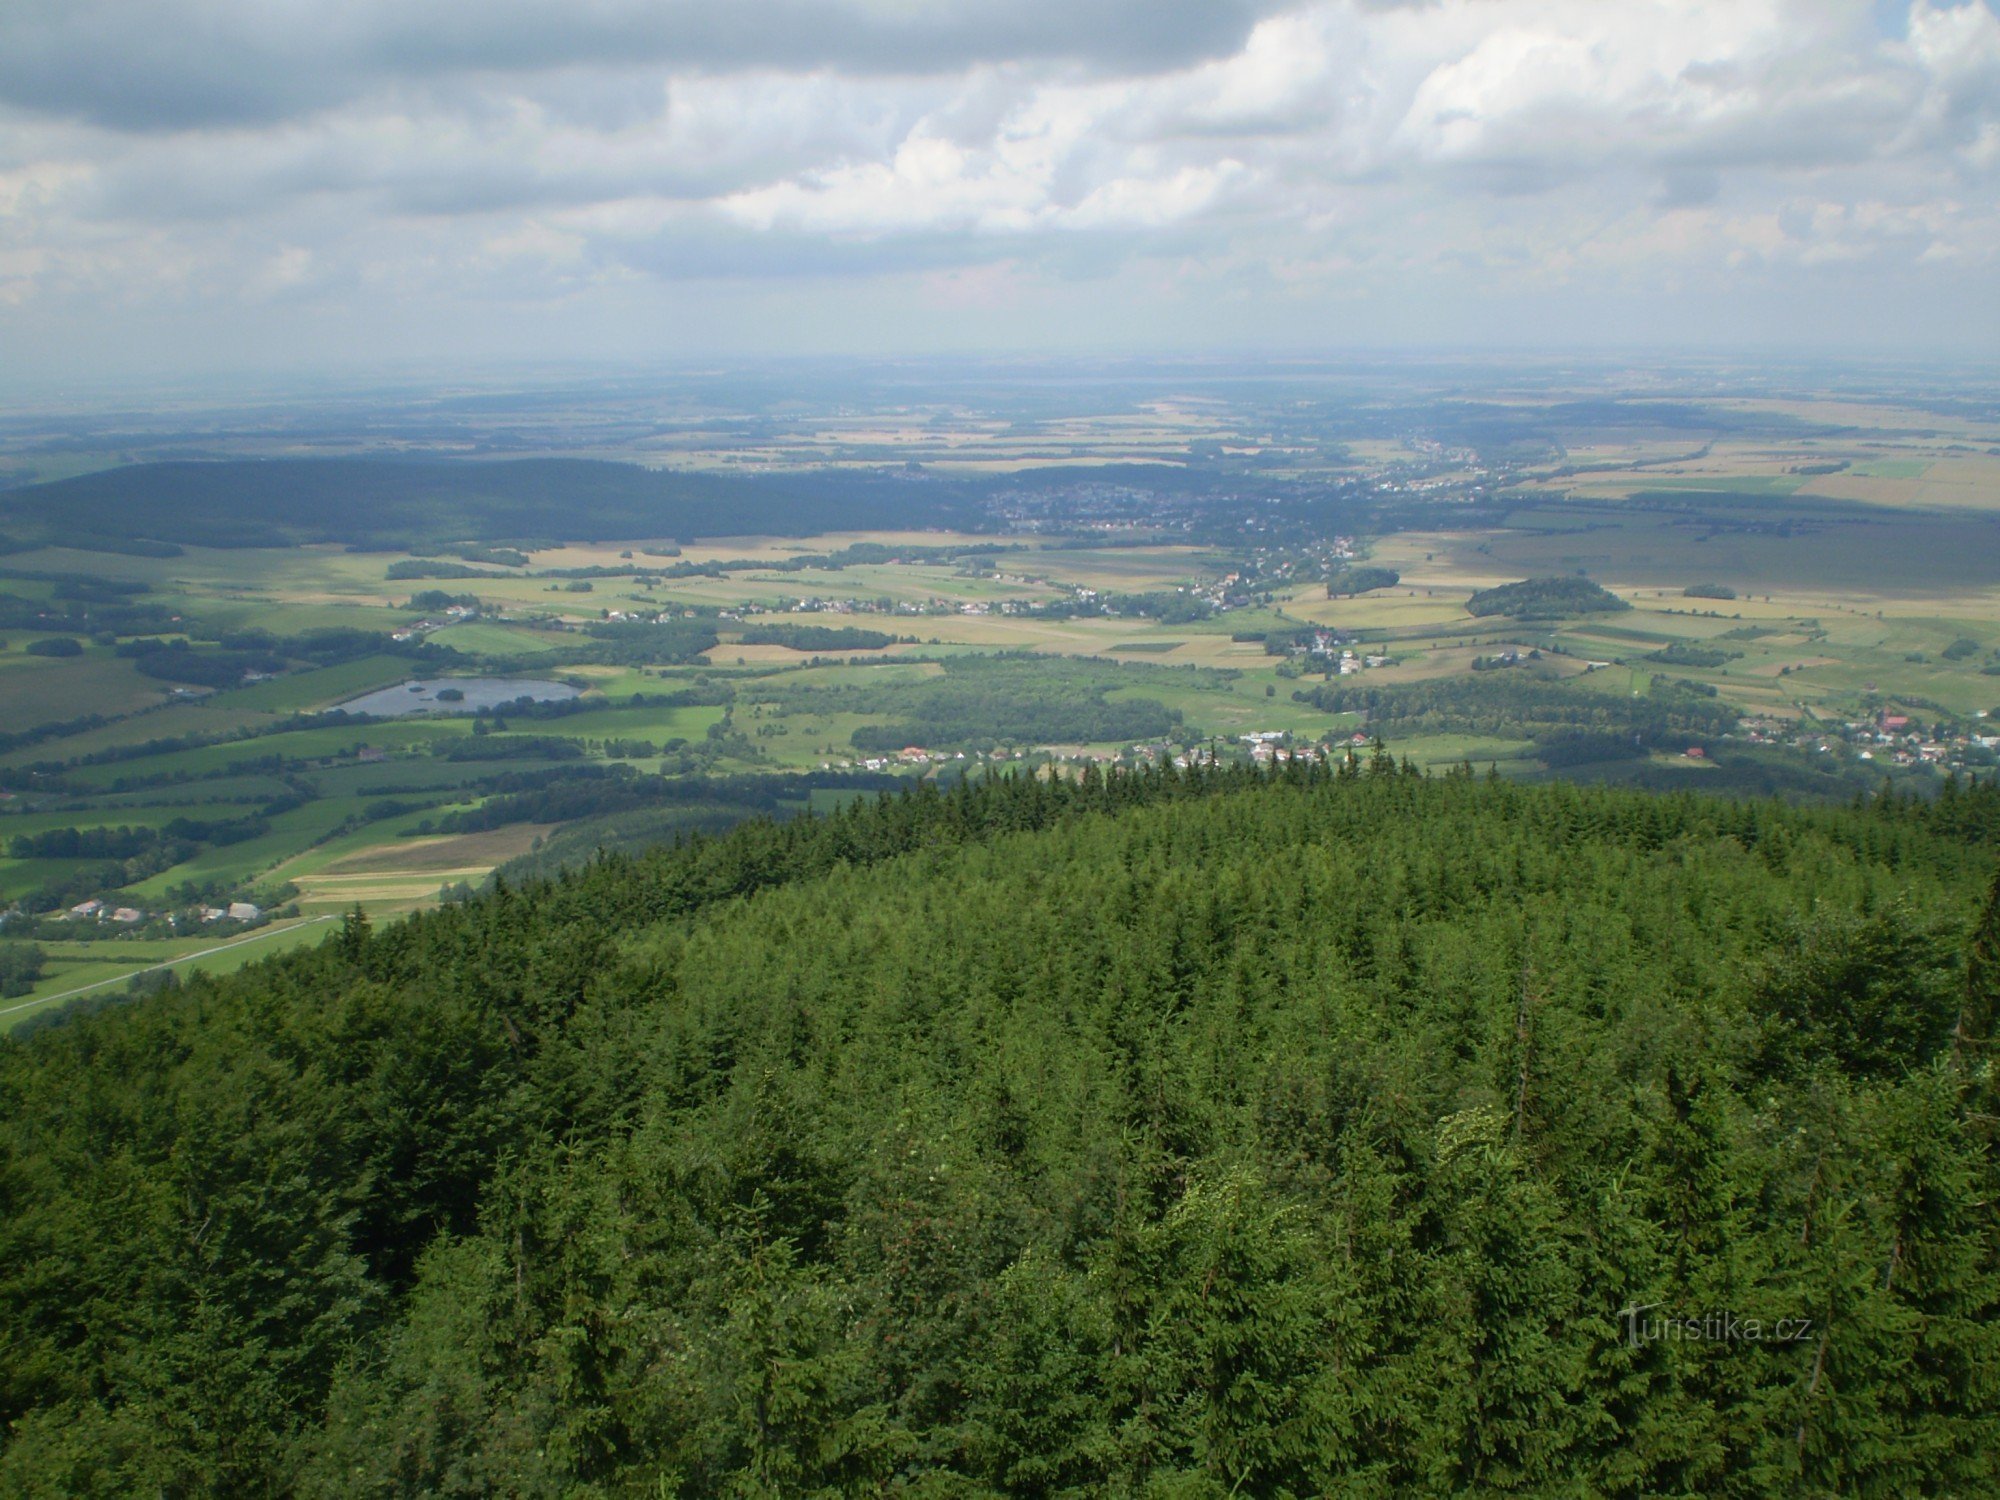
<point>1888,738</point>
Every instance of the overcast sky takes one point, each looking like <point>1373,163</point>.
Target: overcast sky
<point>244,184</point>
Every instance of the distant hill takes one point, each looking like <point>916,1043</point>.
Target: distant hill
<point>1545,598</point>
<point>415,503</point>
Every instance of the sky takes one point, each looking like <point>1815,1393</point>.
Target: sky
<point>244,185</point>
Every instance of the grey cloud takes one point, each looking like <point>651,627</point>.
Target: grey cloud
<point>462,150</point>
<point>708,250</point>
<point>1689,189</point>
<point>701,248</point>
<point>174,64</point>
<point>722,158</point>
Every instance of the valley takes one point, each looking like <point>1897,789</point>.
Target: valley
<point>305,727</point>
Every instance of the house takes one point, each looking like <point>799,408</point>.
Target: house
<point>1895,723</point>
<point>1695,752</point>
<point>244,911</point>
<point>86,909</point>
<point>127,915</point>
<point>369,754</point>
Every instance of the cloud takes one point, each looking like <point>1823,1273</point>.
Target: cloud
<point>173,64</point>
<point>1285,162</point>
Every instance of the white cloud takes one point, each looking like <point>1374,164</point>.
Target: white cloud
<point>1434,154</point>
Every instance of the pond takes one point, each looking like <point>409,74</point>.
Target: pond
<point>423,697</point>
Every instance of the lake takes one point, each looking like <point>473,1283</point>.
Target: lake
<point>480,692</point>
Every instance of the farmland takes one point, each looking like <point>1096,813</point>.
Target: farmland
<point>1799,604</point>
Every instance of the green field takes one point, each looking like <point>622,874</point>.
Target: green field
<point>77,968</point>
<point>1843,610</point>
<point>47,690</point>
<point>321,688</point>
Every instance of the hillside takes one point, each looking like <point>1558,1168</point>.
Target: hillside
<point>1191,1135</point>
<point>389,503</point>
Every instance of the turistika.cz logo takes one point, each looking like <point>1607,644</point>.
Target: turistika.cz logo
<point>1645,1324</point>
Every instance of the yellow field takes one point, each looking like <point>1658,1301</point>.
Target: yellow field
<point>401,874</point>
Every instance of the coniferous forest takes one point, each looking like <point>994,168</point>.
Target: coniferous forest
<point>1180,1134</point>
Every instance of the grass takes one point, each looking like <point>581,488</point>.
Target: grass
<point>40,690</point>
<point>319,688</point>
<point>171,721</point>
<point>253,858</point>
<point>490,638</point>
<point>292,745</point>
<point>394,874</point>
<point>74,966</point>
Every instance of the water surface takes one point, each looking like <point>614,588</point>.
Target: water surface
<point>421,697</point>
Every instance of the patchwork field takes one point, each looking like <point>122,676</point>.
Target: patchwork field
<point>1770,585</point>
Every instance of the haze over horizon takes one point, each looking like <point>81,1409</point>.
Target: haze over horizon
<point>213,185</point>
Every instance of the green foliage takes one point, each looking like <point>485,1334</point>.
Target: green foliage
<point>419,503</point>
<point>666,640</point>
<point>177,661</point>
<point>409,568</point>
<point>816,637</point>
<point>1544,598</point>
<point>20,966</point>
<point>432,601</point>
<point>55,645</point>
<point>1207,1133</point>
<point>1519,705</point>
<point>988,700</point>
<point>512,747</point>
<point>1689,654</point>
<point>1709,590</point>
<point>1357,579</point>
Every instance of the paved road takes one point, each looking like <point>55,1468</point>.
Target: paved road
<point>254,937</point>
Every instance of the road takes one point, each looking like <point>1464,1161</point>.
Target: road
<point>171,963</point>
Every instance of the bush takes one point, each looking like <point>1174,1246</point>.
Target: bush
<point>55,645</point>
<point>20,966</point>
<point>1360,580</point>
<point>1688,654</point>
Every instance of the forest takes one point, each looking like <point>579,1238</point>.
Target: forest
<point>1545,598</point>
<point>1519,702</point>
<point>1332,1129</point>
<point>981,701</point>
<point>416,503</point>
